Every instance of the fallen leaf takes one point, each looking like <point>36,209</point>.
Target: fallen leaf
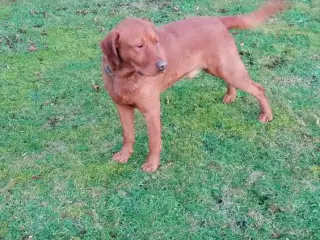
<point>315,169</point>
<point>254,177</point>
<point>54,121</point>
<point>317,119</point>
<point>36,177</point>
<point>83,12</point>
<point>242,224</point>
<point>176,9</point>
<point>45,14</point>
<point>275,235</point>
<point>22,30</point>
<point>34,12</point>
<point>96,87</point>
<point>46,103</point>
<point>32,48</point>
<point>222,10</point>
<point>39,74</point>
<point>44,32</point>
<point>274,209</point>
<point>167,100</point>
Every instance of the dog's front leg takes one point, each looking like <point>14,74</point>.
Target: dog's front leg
<point>153,121</point>
<point>126,114</point>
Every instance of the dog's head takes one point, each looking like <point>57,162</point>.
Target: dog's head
<point>135,42</point>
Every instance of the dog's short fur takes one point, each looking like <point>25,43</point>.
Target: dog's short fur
<point>140,61</point>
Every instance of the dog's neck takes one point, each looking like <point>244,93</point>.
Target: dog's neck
<point>122,71</point>
<point>125,79</point>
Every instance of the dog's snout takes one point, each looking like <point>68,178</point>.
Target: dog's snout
<point>161,65</point>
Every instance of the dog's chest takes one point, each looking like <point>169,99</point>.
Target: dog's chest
<point>121,93</point>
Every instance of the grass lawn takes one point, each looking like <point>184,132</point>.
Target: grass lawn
<point>223,174</point>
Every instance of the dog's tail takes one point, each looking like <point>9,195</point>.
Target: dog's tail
<point>256,18</point>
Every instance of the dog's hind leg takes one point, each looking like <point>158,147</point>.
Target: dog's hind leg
<point>231,69</point>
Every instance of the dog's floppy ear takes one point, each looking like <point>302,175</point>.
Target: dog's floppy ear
<point>109,47</point>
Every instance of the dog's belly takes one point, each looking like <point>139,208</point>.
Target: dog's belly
<point>173,77</point>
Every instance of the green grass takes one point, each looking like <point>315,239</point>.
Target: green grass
<point>223,175</point>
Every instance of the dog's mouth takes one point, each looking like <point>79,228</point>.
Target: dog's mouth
<point>140,73</point>
<point>145,74</point>
<point>148,71</point>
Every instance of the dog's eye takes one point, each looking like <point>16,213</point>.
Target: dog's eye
<point>140,46</point>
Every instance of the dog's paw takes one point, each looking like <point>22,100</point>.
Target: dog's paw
<point>265,117</point>
<point>151,164</point>
<point>122,156</point>
<point>229,98</point>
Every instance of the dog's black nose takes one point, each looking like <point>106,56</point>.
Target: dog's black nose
<point>161,65</point>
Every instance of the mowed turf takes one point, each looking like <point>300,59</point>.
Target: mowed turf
<point>223,174</point>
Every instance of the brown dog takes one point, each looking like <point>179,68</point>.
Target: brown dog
<point>140,61</point>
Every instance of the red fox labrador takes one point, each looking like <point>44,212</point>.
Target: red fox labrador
<point>140,61</point>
